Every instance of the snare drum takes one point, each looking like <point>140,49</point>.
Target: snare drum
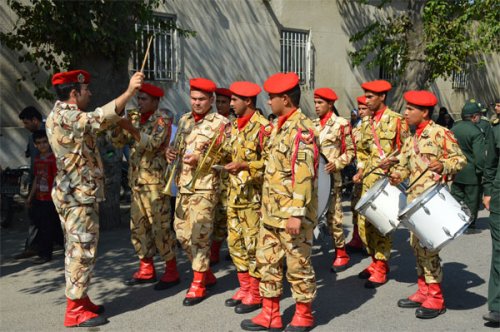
<point>381,205</point>
<point>325,186</point>
<point>436,217</point>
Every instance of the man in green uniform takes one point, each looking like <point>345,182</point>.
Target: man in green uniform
<point>491,201</point>
<point>466,186</point>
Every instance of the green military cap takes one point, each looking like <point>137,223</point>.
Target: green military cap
<point>471,107</point>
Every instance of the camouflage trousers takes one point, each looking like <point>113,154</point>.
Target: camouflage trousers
<point>220,222</point>
<point>80,225</point>
<point>243,226</point>
<point>334,218</point>
<point>150,227</point>
<point>193,224</point>
<point>428,262</point>
<point>376,244</point>
<point>273,246</point>
<point>355,196</point>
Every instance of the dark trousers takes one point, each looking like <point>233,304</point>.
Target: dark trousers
<point>46,219</point>
<point>494,282</point>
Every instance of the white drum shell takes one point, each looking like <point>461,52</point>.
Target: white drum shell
<point>435,217</point>
<point>381,205</point>
<point>325,186</point>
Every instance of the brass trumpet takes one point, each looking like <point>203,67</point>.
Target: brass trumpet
<point>179,145</point>
<point>212,154</point>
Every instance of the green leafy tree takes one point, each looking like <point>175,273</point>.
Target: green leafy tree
<point>430,40</point>
<point>95,35</point>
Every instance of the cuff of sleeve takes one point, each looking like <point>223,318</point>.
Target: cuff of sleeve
<point>487,191</point>
<point>143,141</point>
<point>297,211</point>
<point>109,111</point>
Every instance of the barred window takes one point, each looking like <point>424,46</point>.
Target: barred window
<point>460,78</point>
<point>390,71</point>
<point>295,53</point>
<point>160,65</point>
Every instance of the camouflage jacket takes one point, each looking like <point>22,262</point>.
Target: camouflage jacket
<point>389,134</point>
<point>195,137</point>
<point>224,176</point>
<point>290,184</point>
<point>435,143</point>
<point>72,136</point>
<point>336,144</point>
<point>147,163</point>
<point>248,145</point>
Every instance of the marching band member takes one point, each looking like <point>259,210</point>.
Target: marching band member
<point>194,210</point>
<point>356,244</point>
<point>149,210</point>
<point>79,183</point>
<point>435,149</point>
<point>249,136</point>
<point>223,105</point>
<point>336,144</point>
<point>289,207</point>
<point>380,135</point>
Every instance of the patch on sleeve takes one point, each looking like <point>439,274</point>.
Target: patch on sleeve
<point>301,155</point>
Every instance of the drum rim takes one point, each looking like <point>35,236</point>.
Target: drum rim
<point>360,207</point>
<point>420,200</point>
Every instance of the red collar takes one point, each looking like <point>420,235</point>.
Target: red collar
<point>325,118</point>
<point>282,119</point>
<point>242,121</point>
<point>378,114</point>
<point>421,127</point>
<point>198,117</point>
<point>145,116</point>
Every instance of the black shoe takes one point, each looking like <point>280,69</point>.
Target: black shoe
<point>426,313</point>
<point>232,302</point>
<point>246,308</point>
<point>100,309</point>
<point>371,285</point>
<point>41,260</point>
<point>134,281</point>
<point>96,321</point>
<point>26,254</point>
<point>189,301</point>
<point>291,328</point>
<point>364,274</point>
<point>336,269</point>
<point>407,303</point>
<point>492,316</point>
<point>161,285</point>
<point>248,325</point>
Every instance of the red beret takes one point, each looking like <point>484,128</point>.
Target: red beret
<point>245,89</point>
<point>377,86</point>
<point>361,100</point>
<point>202,84</point>
<point>325,93</point>
<point>74,76</point>
<point>223,92</point>
<point>281,82</point>
<point>421,98</point>
<point>152,90</point>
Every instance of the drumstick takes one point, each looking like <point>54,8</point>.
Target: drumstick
<point>415,181</point>
<point>392,154</point>
<point>147,54</point>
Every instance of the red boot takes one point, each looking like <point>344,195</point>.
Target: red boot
<point>341,262</point>
<point>303,319</point>
<point>170,277</point>
<point>366,273</point>
<point>252,301</point>
<point>415,300</point>
<point>78,314</point>
<point>269,318</point>
<point>356,244</point>
<point>145,275</point>
<point>210,278</point>
<point>244,280</point>
<point>215,252</point>
<point>433,305</point>
<point>379,275</point>
<point>197,292</point>
<point>97,309</point>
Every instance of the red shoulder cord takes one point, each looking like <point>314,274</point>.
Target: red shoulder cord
<point>222,134</point>
<point>398,133</point>
<point>262,133</point>
<point>296,143</point>
<point>342,140</point>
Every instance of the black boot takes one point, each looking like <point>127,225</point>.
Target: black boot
<point>407,303</point>
<point>426,313</point>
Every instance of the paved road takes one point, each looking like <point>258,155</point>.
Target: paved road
<point>32,297</point>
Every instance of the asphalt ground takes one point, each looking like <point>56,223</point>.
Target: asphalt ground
<point>32,296</point>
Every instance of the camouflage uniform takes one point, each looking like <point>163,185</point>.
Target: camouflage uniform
<point>78,186</point>
<point>390,133</point>
<point>289,189</point>
<point>435,143</point>
<point>244,192</point>
<point>150,209</point>
<point>357,187</point>
<point>194,210</point>
<point>336,144</point>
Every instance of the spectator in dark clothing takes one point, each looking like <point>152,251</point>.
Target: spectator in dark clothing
<point>444,119</point>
